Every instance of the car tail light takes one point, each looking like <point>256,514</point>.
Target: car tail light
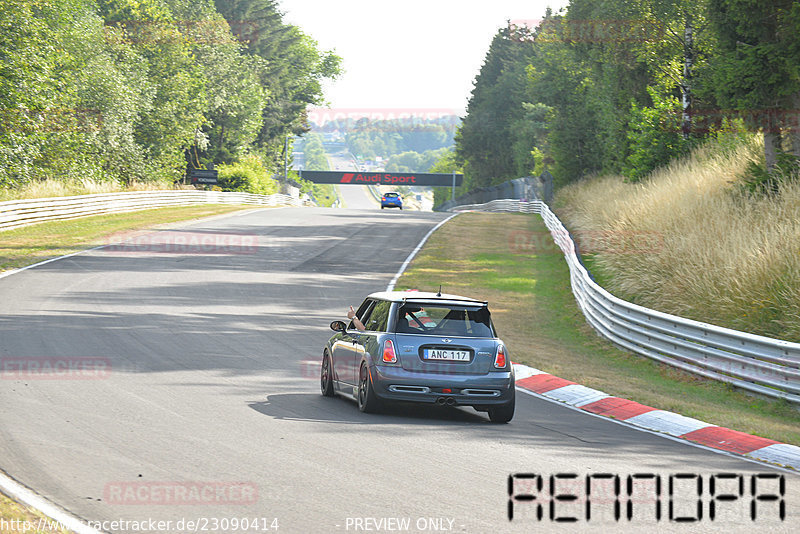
<point>500,357</point>
<point>383,198</point>
<point>389,355</point>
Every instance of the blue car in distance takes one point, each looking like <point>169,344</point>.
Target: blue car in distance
<point>391,200</point>
<point>420,347</point>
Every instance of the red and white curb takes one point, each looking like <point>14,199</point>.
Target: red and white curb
<point>653,419</point>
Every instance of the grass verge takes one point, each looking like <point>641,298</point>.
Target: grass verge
<point>25,519</point>
<point>537,316</point>
<point>690,241</point>
<point>31,244</point>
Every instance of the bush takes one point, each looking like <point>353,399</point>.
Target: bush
<point>247,175</point>
<point>758,180</point>
<point>654,136</point>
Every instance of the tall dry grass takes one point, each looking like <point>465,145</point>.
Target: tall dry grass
<point>686,241</point>
<point>59,188</point>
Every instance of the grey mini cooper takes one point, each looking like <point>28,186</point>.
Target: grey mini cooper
<point>420,347</point>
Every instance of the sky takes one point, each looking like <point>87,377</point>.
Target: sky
<point>410,54</point>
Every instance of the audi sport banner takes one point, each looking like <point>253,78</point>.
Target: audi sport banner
<point>380,178</point>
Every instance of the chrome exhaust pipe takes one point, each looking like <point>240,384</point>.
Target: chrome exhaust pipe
<point>450,401</point>
<point>441,401</point>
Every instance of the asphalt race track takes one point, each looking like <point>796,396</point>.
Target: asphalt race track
<point>209,408</point>
<point>357,197</point>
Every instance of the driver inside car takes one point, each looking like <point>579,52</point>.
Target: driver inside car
<point>408,323</point>
<point>351,314</point>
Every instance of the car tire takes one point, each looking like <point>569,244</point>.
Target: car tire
<point>383,207</point>
<point>368,402</point>
<point>326,376</point>
<point>502,413</point>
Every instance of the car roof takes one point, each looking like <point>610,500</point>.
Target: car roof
<point>425,296</point>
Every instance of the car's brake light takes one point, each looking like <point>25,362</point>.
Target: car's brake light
<point>383,198</point>
<point>389,355</point>
<point>500,357</point>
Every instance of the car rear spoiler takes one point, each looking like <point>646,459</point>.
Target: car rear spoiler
<point>447,300</point>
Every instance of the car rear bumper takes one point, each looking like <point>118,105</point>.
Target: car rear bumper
<point>395,383</point>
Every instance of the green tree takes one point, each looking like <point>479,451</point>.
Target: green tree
<point>411,161</point>
<point>486,137</point>
<point>315,157</point>
<point>757,67</point>
<point>120,90</point>
<point>38,109</point>
<point>293,68</point>
<point>530,139</point>
<point>447,163</point>
<point>564,82</point>
<point>167,125</point>
<point>610,87</point>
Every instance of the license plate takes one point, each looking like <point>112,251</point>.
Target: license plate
<point>446,355</point>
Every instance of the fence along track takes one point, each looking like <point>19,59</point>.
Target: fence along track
<point>759,364</point>
<point>16,213</point>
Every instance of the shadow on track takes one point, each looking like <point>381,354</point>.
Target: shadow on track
<point>339,410</point>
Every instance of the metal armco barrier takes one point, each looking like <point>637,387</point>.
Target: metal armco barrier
<point>525,188</point>
<point>755,363</point>
<point>506,205</point>
<point>16,213</point>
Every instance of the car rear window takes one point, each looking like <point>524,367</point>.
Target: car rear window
<point>391,195</point>
<point>444,320</point>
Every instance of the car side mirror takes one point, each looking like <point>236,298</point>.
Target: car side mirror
<point>338,326</point>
